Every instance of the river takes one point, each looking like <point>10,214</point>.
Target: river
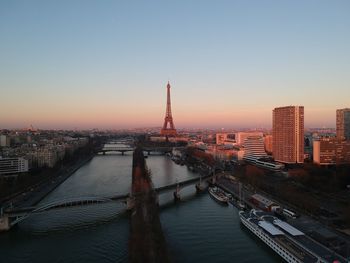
<point>197,229</point>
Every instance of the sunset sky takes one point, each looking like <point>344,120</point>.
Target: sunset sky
<point>105,64</point>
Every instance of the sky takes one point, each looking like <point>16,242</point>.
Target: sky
<point>80,64</point>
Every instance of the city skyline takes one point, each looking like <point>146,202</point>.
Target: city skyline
<point>87,65</point>
<point>132,131</point>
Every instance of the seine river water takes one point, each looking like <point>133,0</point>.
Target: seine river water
<point>196,230</point>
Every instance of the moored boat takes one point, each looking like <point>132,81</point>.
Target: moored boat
<point>288,242</point>
<point>218,195</point>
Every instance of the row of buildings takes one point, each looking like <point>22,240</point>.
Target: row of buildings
<point>22,151</point>
<point>288,138</point>
<point>13,165</point>
<point>286,144</point>
<point>329,149</point>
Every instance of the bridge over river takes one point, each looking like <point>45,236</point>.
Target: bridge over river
<point>11,216</point>
<point>147,243</point>
<point>124,149</point>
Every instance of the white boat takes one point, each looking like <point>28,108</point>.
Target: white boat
<point>288,242</point>
<point>218,195</point>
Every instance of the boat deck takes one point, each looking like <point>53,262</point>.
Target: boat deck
<point>294,241</point>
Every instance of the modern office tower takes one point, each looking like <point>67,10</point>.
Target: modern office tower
<point>288,134</point>
<point>254,148</point>
<point>330,151</point>
<point>343,124</point>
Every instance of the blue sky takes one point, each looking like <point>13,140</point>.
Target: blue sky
<point>86,64</point>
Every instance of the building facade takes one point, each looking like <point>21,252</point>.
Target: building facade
<point>343,124</point>
<point>5,141</point>
<point>220,152</point>
<point>254,148</point>
<point>288,134</point>
<point>268,143</point>
<point>331,151</point>
<point>225,138</point>
<point>241,136</point>
<point>14,165</point>
<point>238,153</point>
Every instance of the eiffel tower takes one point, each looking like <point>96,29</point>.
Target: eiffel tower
<point>171,131</point>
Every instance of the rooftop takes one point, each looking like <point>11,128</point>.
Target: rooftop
<point>270,228</point>
<point>288,228</point>
<point>262,199</point>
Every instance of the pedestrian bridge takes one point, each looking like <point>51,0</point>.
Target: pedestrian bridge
<point>17,215</point>
<point>23,213</point>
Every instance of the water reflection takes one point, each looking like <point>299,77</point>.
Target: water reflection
<point>197,229</point>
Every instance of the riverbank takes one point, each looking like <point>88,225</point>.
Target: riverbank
<point>40,191</point>
<point>317,231</point>
<point>98,233</point>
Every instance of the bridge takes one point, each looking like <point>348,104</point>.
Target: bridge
<point>147,242</point>
<point>123,150</point>
<point>13,216</point>
<point>127,141</point>
<point>182,184</point>
<point>17,215</point>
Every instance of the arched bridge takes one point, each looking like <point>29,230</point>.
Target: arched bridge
<point>21,214</point>
<point>16,215</point>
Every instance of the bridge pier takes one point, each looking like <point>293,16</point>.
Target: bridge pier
<point>4,223</point>
<point>177,196</point>
<point>130,203</point>
<point>199,187</point>
<point>104,153</point>
<point>157,199</point>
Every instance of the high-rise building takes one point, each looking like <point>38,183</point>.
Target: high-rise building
<point>343,124</point>
<point>288,134</point>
